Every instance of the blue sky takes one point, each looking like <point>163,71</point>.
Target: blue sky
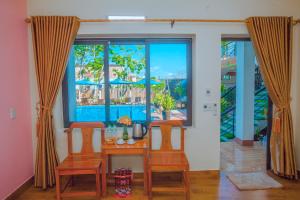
<point>168,60</point>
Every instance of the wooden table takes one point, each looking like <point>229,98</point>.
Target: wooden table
<point>141,147</point>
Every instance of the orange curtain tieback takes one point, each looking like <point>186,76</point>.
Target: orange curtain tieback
<point>39,108</point>
<point>277,114</point>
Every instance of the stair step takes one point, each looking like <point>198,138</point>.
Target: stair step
<point>229,122</point>
<point>223,139</point>
<point>259,113</point>
<point>228,128</point>
<point>260,119</point>
<point>260,103</point>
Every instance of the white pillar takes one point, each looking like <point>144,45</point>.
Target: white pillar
<point>245,93</point>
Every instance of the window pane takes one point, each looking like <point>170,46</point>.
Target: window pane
<point>85,81</point>
<point>168,72</point>
<point>127,78</point>
<point>169,63</point>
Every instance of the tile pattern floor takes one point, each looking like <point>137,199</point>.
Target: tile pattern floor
<point>237,158</point>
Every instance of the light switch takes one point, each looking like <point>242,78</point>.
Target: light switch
<point>12,113</point>
<point>210,107</point>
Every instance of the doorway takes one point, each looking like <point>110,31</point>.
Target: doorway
<point>245,109</point>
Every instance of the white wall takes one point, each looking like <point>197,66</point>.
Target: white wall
<point>202,139</point>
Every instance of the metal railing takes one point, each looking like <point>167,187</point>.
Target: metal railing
<point>229,110</point>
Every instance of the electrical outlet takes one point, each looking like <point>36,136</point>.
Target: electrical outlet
<point>12,113</point>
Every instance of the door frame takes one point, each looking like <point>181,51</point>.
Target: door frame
<point>242,37</point>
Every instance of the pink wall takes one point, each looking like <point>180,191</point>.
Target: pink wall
<point>16,159</point>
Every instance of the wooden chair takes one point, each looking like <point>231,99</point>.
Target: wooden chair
<point>167,159</point>
<point>86,162</point>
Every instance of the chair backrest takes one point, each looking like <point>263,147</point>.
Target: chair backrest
<point>87,131</point>
<point>166,134</point>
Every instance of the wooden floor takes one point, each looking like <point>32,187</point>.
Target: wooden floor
<point>209,185</point>
<point>204,186</point>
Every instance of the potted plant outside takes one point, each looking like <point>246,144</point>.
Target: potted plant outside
<point>167,104</point>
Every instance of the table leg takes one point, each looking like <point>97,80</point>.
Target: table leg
<point>104,174</point>
<point>98,190</point>
<point>109,166</point>
<point>145,172</point>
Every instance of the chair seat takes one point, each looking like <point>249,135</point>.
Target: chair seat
<point>79,161</point>
<point>168,161</point>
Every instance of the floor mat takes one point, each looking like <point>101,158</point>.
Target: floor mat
<point>253,181</point>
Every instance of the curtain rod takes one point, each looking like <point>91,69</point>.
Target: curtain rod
<point>165,20</point>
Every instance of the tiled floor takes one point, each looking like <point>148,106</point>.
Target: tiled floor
<point>237,158</point>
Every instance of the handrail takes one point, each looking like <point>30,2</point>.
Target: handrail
<point>228,110</point>
<point>230,126</point>
<point>260,90</point>
<point>232,88</point>
<point>227,93</point>
<point>233,107</point>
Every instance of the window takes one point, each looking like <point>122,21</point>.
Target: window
<point>145,79</point>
